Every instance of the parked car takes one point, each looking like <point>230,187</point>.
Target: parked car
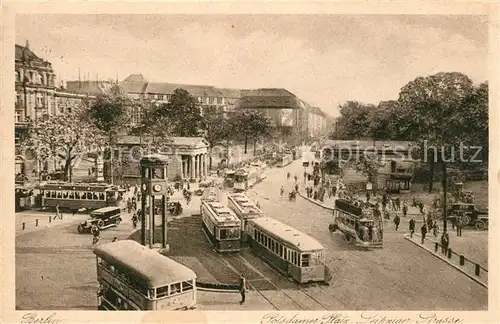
<point>473,216</point>
<point>100,219</point>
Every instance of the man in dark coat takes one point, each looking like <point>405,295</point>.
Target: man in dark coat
<point>423,230</point>
<point>445,242</point>
<point>397,220</point>
<point>243,288</point>
<point>412,227</point>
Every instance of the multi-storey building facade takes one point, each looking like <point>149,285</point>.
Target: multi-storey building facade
<point>37,95</point>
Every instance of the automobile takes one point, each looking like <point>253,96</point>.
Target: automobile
<point>100,219</point>
<point>473,216</point>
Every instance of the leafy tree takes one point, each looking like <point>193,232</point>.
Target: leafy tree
<point>63,136</point>
<point>110,114</point>
<point>216,129</point>
<point>355,120</point>
<point>183,112</point>
<point>433,110</point>
<point>384,117</point>
<point>153,126</point>
<point>250,124</point>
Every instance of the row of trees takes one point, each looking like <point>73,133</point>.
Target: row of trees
<point>445,115</point>
<point>93,127</point>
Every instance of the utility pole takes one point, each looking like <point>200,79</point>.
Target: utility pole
<point>445,195</point>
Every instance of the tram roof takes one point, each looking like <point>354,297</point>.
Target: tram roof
<point>292,236</point>
<point>105,209</point>
<point>245,203</point>
<point>75,185</point>
<point>152,267</point>
<point>221,213</point>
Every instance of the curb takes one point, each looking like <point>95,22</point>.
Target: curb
<point>316,202</point>
<point>406,236</point>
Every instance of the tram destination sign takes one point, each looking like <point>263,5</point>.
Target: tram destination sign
<point>346,206</point>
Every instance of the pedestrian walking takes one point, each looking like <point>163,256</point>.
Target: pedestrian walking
<point>412,227</point>
<point>288,176</point>
<point>423,231</point>
<point>243,288</point>
<point>435,229</point>
<point>397,220</point>
<point>295,178</point>
<point>58,213</point>
<point>367,196</point>
<point>297,187</point>
<point>405,210</point>
<point>445,242</point>
<point>115,239</point>
<point>282,190</point>
<point>421,206</point>
<point>398,204</point>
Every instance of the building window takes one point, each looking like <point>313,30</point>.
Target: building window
<point>200,99</point>
<point>220,100</point>
<point>69,110</point>
<point>160,97</point>
<point>169,96</point>
<point>17,116</point>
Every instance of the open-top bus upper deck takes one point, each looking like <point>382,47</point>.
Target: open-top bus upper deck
<point>220,214</point>
<point>293,237</point>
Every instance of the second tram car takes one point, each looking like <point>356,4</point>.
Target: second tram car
<point>244,209</point>
<point>221,226</point>
<point>363,227</point>
<point>73,196</point>
<point>133,277</point>
<point>291,252</point>
<point>284,159</point>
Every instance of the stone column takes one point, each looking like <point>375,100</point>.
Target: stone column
<point>192,158</point>
<point>182,167</point>
<point>205,165</point>
<point>200,159</point>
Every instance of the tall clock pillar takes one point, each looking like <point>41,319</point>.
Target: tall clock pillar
<point>154,188</point>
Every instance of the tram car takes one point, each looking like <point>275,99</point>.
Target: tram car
<point>222,227</point>
<point>75,196</point>
<point>133,277</point>
<point>247,177</point>
<point>294,254</point>
<point>245,209</point>
<point>361,227</point>
<point>284,159</point>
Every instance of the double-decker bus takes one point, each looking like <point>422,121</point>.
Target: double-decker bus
<point>74,196</point>
<point>245,209</point>
<point>360,226</point>
<point>221,226</point>
<point>133,277</point>
<point>291,252</point>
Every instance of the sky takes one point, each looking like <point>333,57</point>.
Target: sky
<point>325,60</point>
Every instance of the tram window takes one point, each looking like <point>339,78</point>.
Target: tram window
<point>162,291</point>
<point>281,250</point>
<point>305,260</point>
<point>95,197</point>
<point>187,285</point>
<point>175,288</point>
<point>53,194</point>
<point>255,235</point>
<point>294,257</point>
<point>89,195</point>
<point>101,196</point>
<point>59,194</point>
<point>77,195</point>
<point>65,194</point>
<point>47,194</point>
<point>71,195</point>
<point>272,245</point>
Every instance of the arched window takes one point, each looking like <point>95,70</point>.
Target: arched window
<point>17,77</point>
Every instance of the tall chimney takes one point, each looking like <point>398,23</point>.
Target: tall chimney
<point>27,44</point>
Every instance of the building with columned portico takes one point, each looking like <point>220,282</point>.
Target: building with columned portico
<point>187,156</point>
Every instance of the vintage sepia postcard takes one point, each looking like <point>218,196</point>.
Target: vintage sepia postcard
<point>253,162</point>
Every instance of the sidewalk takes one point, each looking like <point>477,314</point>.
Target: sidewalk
<point>36,221</point>
<point>468,267</point>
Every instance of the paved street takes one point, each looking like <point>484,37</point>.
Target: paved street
<point>373,279</point>
<point>59,261</point>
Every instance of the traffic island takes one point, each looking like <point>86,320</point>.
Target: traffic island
<point>458,261</point>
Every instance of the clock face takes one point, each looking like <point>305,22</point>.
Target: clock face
<point>144,187</point>
<point>157,187</point>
